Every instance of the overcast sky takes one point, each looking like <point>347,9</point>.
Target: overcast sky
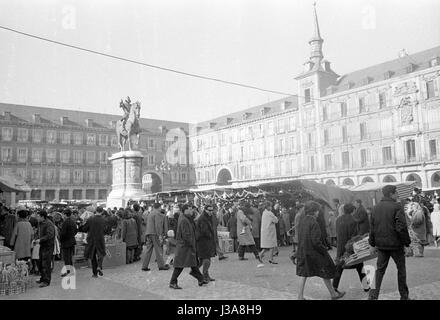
<point>257,42</point>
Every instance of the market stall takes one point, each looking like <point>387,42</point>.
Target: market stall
<point>9,186</point>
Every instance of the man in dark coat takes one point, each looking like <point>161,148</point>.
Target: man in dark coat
<point>206,244</point>
<point>95,248</point>
<point>389,234</point>
<point>186,255</point>
<point>67,240</point>
<point>361,218</point>
<point>47,246</point>
<point>346,228</point>
<point>156,229</point>
<point>137,216</point>
<point>232,227</point>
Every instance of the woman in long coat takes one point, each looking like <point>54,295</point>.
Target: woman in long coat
<point>268,232</point>
<point>129,236</point>
<point>312,257</point>
<point>245,238</point>
<point>416,228</point>
<point>186,256</point>
<point>21,239</point>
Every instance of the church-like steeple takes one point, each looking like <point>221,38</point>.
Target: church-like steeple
<point>316,41</point>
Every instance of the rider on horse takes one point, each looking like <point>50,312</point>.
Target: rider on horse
<point>126,106</point>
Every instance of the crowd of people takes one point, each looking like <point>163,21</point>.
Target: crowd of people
<point>186,235</point>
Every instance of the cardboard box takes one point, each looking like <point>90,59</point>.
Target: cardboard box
<point>227,245</point>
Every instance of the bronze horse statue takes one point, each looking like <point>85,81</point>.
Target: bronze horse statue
<point>131,126</point>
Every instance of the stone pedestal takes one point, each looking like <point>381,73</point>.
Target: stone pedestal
<point>127,181</point>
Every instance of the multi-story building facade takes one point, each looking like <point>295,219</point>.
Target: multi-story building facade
<point>63,154</point>
<point>379,124</point>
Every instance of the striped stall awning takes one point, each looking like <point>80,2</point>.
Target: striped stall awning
<point>405,190</point>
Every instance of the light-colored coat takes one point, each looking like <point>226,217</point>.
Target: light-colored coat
<point>21,239</point>
<point>245,239</point>
<point>435,219</point>
<point>332,225</point>
<point>268,230</point>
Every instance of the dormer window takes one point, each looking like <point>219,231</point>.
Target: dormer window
<point>410,68</point>
<point>285,105</point>
<point>7,115</point>
<point>387,75</point>
<point>246,115</point>
<point>264,111</point>
<point>435,61</point>
<point>349,85</point>
<point>367,80</point>
<point>229,120</point>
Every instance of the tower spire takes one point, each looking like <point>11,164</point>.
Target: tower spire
<point>317,34</point>
<point>316,41</point>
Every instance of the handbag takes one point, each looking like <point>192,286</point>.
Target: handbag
<point>36,251</point>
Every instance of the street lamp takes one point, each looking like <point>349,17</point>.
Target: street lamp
<point>164,167</point>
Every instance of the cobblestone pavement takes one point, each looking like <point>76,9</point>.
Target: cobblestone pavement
<point>237,280</point>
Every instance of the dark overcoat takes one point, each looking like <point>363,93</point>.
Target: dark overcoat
<point>346,228</point>
<point>95,227</point>
<point>313,259</point>
<point>232,226</point>
<point>185,243</point>
<point>130,232</point>
<point>47,237</point>
<point>206,247</point>
<point>361,218</point>
<point>388,228</point>
<point>68,232</point>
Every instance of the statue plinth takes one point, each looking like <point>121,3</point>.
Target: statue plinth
<point>127,181</point>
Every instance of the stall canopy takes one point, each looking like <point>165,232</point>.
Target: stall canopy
<point>371,192</point>
<point>11,184</point>
<point>318,190</point>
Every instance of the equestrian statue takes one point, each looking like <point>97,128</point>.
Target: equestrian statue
<point>128,126</point>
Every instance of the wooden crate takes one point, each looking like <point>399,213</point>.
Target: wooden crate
<point>7,257</point>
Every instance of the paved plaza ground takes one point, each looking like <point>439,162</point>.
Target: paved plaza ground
<point>236,280</point>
